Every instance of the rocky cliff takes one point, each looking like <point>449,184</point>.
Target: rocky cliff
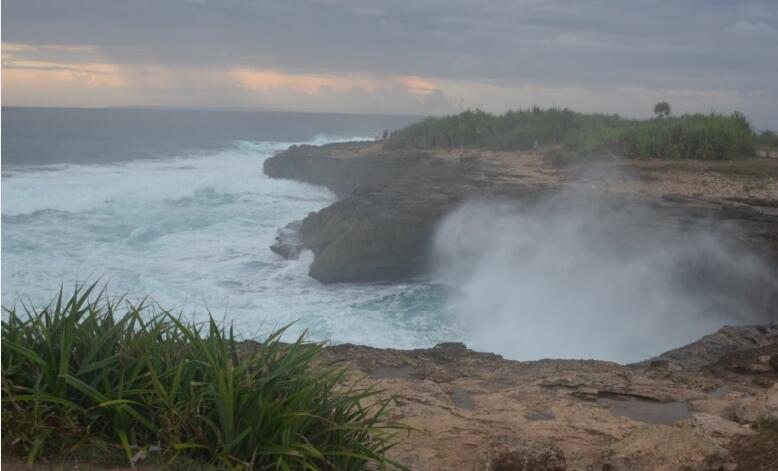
<point>391,203</point>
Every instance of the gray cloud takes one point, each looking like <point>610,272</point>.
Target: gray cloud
<point>714,46</point>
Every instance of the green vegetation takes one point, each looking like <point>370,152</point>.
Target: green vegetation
<point>662,109</point>
<point>87,372</point>
<point>704,137</point>
<point>511,131</point>
<point>767,139</point>
<point>766,424</point>
<point>708,137</point>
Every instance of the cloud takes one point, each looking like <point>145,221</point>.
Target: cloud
<point>713,47</point>
<point>751,30</point>
<point>313,83</point>
<point>46,83</point>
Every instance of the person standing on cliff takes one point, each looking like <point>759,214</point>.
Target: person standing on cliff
<point>535,146</point>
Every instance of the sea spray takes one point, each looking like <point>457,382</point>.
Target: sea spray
<point>577,275</point>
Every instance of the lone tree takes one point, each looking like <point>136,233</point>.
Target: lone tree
<point>662,109</point>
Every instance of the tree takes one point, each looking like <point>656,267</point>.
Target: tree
<point>662,109</point>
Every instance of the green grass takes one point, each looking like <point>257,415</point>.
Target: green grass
<point>587,136</point>
<point>87,372</point>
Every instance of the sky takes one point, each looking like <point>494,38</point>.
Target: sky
<point>424,57</point>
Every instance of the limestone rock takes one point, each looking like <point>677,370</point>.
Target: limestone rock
<point>288,243</point>
<point>714,427</point>
<point>734,348</point>
<point>664,448</point>
<point>525,455</point>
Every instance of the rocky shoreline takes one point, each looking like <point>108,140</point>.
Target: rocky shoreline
<point>699,407</point>
<point>391,202</point>
<point>694,408</point>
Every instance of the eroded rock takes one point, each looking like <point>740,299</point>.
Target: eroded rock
<point>288,243</point>
<point>515,454</point>
<point>664,448</point>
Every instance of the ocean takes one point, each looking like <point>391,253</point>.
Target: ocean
<point>173,205</point>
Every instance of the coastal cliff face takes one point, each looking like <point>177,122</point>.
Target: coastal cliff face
<point>711,405</point>
<point>343,167</point>
<point>390,204</point>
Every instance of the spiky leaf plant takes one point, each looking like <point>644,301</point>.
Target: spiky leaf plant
<point>90,371</point>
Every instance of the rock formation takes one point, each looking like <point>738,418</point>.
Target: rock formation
<point>696,408</point>
<point>391,202</point>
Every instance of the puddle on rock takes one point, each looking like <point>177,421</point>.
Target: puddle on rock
<point>645,410</point>
<point>539,415</point>
<point>403,372</point>
<point>462,399</point>
<point>720,391</point>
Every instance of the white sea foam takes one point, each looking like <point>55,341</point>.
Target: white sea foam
<point>192,232</point>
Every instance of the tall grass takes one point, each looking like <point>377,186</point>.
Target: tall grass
<point>87,370</point>
<point>708,137</point>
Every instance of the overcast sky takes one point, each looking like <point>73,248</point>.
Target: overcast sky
<point>400,56</point>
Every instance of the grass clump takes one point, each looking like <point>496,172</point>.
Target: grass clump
<point>587,136</point>
<point>86,371</point>
<point>766,424</point>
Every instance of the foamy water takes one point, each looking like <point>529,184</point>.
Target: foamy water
<point>120,196</point>
<point>192,232</point>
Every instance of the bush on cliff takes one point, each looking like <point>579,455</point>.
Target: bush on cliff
<point>512,131</point>
<point>708,137</point>
<point>94,372</point>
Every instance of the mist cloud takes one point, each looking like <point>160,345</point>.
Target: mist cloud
<point>579,276</point>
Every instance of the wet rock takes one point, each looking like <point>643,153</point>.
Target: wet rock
<point>730,347</point>
<point>379,233</point>
<point>664,448</point>
<point>525,455</point>
<point>288,243</point>
<point>645,410</point>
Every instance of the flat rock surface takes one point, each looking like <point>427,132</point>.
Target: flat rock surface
<point>478,411</point>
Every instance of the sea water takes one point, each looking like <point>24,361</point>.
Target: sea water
<point>174,206</point>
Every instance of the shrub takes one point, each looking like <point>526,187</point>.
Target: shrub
<point>709,137</point>
<point>515,130</point>
<point>706,137</point>
<point>88,370</point>
<point>768,138</point>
